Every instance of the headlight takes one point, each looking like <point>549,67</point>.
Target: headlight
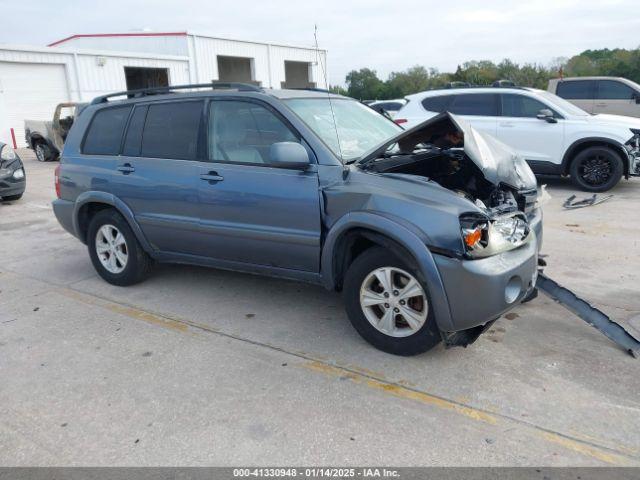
<point>18,174</point>
<point>7,153</point>
<point>483,237</point>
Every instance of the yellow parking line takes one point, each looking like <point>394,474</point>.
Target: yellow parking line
<point>593,451</point>
<point>403,392</point>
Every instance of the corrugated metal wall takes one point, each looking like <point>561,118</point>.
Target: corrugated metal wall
<point>98,80</point>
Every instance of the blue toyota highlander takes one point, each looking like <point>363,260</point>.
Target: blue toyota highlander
<point>430,233</point>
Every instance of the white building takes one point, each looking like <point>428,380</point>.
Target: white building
<point>33,80</point>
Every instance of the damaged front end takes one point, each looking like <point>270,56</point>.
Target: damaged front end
<point>502,187</point>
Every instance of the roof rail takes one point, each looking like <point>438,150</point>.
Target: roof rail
<point>143,92</point>
<point>310,89</point>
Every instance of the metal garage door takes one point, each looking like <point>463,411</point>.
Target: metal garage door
<point>29,91</point>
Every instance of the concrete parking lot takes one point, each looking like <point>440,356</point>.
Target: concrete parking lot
<point>205,367</point>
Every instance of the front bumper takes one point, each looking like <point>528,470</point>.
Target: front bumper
<point>10,186</point>
<point>479,291</point>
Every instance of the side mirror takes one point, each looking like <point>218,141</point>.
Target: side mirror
<point>636,97</point>
<point>288,155</point>
<point>547,115</point>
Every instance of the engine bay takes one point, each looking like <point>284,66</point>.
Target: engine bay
<point>453,170</point>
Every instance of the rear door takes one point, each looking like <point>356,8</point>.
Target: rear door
<point>252,212</point>
<point>157,174</point>
<point>536,140</point>
<point>615,97</point>
<point>579,92</point>
<point>479,109</point>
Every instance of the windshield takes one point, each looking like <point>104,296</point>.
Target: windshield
<point>359,128</point>
<point>568,107</point>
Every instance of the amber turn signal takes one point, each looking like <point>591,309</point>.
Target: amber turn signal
<point>471,237</point>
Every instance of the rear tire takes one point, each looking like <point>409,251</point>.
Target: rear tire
<point>397,319</point>
<point>596,169</point>
<point>115,251</point>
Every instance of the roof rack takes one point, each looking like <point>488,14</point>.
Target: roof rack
<point>496,84</point>
<point>143,92</point>
<point>310,89</point>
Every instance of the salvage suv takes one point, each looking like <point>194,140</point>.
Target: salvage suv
<point>430,233</point>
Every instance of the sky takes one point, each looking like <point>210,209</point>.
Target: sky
<point>383,35</point>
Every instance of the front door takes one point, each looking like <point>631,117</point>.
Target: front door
<point>252,212</point>
<point>536,140</point>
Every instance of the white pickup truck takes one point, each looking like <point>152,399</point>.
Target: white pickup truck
<point>46,138</point>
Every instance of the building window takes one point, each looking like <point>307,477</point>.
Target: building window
<point>297,75</point>
<point>236,69</point>
<point>143,77</point>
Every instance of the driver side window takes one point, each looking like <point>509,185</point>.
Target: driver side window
<point>521,106</point>
<point>243,132</point>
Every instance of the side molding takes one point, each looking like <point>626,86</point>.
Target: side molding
<point>401,235</point>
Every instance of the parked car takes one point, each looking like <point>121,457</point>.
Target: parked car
<point>430,233</point>
<point>12,177</point>
<point>554,136</point>
<point>47,138</point>
<point>389,106</point>
<point>613,95</point>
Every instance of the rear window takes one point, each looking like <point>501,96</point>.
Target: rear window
<point>576,90</point>
<point>437,104</point>
<point>171,130</point>
<point>480,104</point>
<point>105,132</point>
<point>612,90</point>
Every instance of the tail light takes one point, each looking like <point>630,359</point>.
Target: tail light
<point>57,180</point>
<point>400,121</point>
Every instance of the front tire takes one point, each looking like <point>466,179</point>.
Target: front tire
<point>115,251</point>
<point>389,304</point>
<point>596,169</point>
<point>43,152</point>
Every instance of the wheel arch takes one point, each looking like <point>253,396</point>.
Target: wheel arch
<point>89,203</point>
<point>584,143</point>
<point>357,231</point>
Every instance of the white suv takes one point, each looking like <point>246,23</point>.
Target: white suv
<point>554,136</point>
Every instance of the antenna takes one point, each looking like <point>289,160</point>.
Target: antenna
<point>324,74</point>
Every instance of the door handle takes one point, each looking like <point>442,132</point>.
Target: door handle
<point>211,177</point>
<point>126,168</point>
<point>507,124</point>
<point>601,104</point>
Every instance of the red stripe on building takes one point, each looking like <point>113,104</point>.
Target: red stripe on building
<point>136,34</point>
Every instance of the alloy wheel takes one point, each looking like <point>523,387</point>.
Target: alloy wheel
<point>596,170</point>
<point>40,153</point>
<point>394,302</point>
<point>111,248</point>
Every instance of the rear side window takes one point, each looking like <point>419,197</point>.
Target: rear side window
<point>521,106</point>
<point>105,132</point>
<point>171,130</point>
<point>388,106</point>
<point>437,104</point>
<point>576,90</point>
<point>480,104</point>
<point>133,138</point>
<point>612,90</point>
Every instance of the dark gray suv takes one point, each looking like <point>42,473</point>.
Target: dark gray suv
<point>430,233</point>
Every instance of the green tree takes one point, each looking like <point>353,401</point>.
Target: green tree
<point>364,84</point>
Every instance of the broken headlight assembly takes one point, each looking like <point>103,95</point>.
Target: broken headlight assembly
<point>483,237</point>
<point>633,146</point>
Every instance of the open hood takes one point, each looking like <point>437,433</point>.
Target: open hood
<point>498,162</point>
